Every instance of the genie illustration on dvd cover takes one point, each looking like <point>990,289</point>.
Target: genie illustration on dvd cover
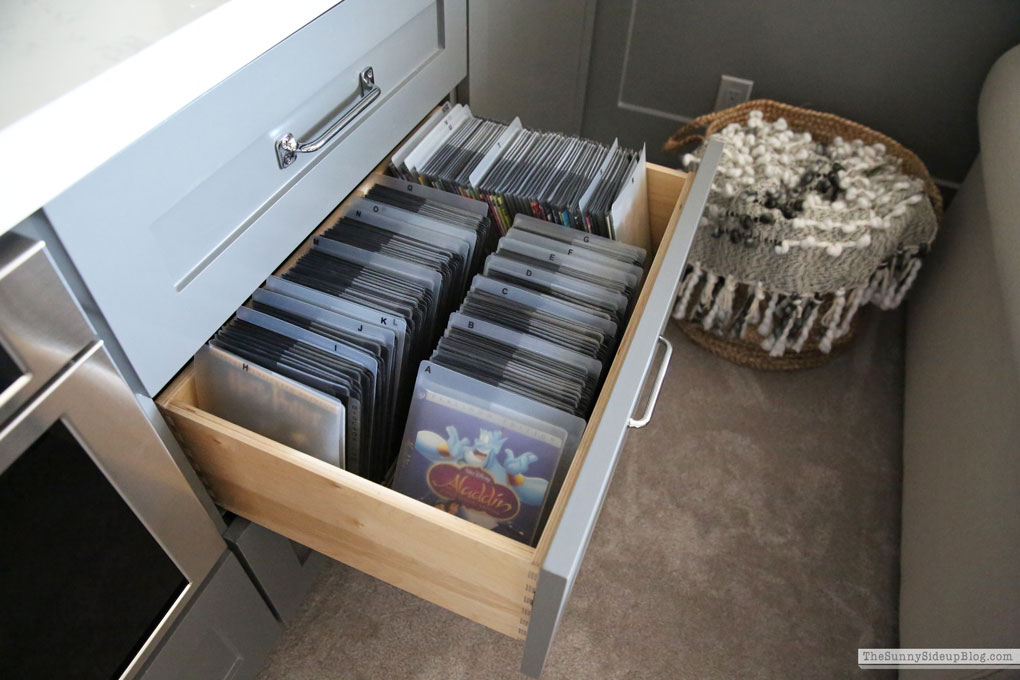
<point>484,453</point>
<point>498,479</point>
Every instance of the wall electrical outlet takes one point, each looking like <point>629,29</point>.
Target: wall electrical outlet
<point>732,91</point>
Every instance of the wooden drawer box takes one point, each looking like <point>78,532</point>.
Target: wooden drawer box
<point>515,589</point>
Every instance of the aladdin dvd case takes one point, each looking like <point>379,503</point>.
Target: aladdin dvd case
<point>487,466</point>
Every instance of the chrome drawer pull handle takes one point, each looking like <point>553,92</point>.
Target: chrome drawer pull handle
<point>287,147</point>
<point>654,396</point>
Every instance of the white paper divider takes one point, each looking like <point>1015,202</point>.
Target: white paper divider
<point>494,153</point>
<point>629,212</point>
<point>397,159</point>
<point>586,196</point>
<point>420,155</point>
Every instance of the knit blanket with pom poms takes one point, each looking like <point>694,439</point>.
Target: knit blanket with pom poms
<point>797,236</point>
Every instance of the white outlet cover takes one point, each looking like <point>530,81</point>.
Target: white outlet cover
<point>732,91</point>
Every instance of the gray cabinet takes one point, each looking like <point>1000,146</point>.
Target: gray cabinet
<point>225,635</point>
<point>172,234</point>
<point>281,569</point>
<point>515,589</point>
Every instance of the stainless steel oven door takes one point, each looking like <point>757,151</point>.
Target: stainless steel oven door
<point>102,441</point>
<point>42,326</point>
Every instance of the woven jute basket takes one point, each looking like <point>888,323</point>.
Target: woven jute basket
<point>824,127</point>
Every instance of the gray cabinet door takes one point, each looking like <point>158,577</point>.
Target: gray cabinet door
<point>226,634</point>
<point>537,70</point>
<point>282,569</point>
<point>172,234</point>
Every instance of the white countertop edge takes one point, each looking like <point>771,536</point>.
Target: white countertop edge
<point>52,148</point>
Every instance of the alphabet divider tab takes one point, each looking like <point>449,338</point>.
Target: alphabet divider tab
<point>434,139</point>
<point>629,212</point>
<point>493,154</point>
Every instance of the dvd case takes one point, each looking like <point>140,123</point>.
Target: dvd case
<point>484,454</point>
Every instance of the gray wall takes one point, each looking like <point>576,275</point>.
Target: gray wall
<point>909,68</point>
<point>529,58</point>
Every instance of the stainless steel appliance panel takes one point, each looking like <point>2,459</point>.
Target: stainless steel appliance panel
<point>90,400</point>
<point>41,325</point>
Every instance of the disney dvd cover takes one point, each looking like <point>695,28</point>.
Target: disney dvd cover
<point>483,466</point>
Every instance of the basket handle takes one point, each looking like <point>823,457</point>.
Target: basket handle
<point>694,131</point>
<point>702,126</point>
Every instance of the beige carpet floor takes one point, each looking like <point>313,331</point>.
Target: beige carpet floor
<point>751,531</point>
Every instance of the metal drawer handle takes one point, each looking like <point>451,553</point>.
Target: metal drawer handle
<point>287,147</point>
<point>659,377</point>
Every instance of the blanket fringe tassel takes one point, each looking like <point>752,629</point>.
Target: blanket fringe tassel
<point>788,322</point>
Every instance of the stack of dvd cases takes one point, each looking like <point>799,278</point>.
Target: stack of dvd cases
<point>323,357</point>
<point>410,302</point>
<point>559,178</point>
<point>500,406</point>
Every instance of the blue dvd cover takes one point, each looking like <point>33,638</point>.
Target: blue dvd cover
<point>485,467</point>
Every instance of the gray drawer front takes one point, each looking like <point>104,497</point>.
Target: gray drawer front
<point>174,233</point>
<point>559,570</point>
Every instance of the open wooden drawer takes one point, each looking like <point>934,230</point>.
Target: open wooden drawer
<point>515,589</point>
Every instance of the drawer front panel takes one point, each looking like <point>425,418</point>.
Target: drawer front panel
<point>561,551</point>
<point>173,233</point>
<point>423,550</point>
